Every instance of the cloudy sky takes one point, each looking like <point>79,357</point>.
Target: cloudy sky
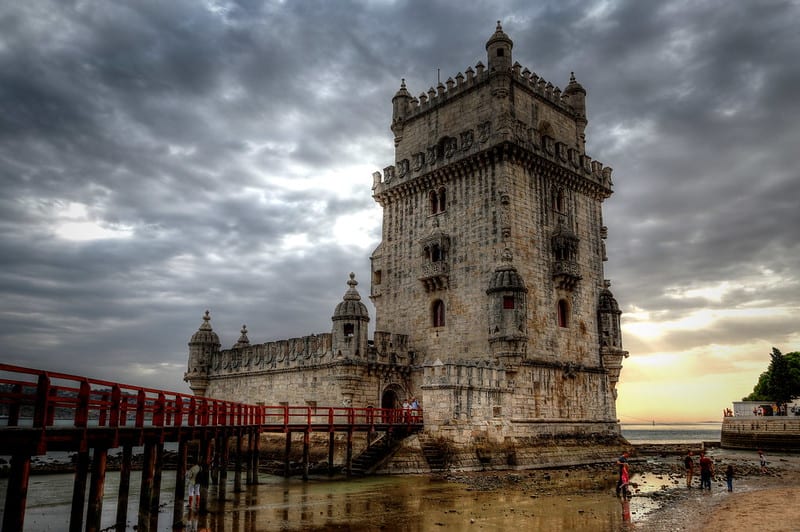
<point>161,158</point>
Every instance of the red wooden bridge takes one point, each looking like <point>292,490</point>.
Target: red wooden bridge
<point>47,411</point>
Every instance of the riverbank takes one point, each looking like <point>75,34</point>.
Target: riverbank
<point>661,501</point>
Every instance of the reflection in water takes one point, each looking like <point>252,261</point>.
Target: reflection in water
<point>412,503</point>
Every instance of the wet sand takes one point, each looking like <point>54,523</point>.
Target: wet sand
<point>767,502</point>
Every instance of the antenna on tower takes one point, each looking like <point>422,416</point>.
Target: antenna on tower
<point>438,80</point>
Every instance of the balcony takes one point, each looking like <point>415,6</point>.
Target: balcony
<point>435,275</point>
<point>566,274</point>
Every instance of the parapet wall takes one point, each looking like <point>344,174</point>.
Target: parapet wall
<point>780,433</point>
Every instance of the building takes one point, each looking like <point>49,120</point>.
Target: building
<point>491,304</point>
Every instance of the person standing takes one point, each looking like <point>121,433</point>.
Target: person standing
<point>688,463</point>
<point>729,477</point>
<point>706,470</point>
<point>193,485</point>
<point>622,463</point>
<point>763,461</point>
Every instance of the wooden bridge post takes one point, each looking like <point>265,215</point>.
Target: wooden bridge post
<point>205,465</point>
<point>94,511</point>
<point>155,496</point>
<point>349,463</point>
<point>124,488</point>
<point>146,489</point>
<point>180,482</point>
<point>222,461</point>
<point>306,444</point>
<point>255,455</point>
<point>17,492</point>
<point>286,466</point>
<point>331,440</point>
<point>79,491</point>
<point>237,476</point>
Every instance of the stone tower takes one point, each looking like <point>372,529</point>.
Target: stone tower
<point>492,250</point>
<point>491,304</point>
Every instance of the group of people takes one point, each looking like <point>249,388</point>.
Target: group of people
<point>410,408</point>
<point>706,471</point>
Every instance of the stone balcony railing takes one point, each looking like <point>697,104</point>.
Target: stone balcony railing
<point>566,273</point>
<point>435,275</point>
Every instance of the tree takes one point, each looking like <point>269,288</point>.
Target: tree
<point>781,382</point>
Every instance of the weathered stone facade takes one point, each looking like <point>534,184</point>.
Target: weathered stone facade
<point>491,304</point>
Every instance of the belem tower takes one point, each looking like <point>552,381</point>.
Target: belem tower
<point>490,300</point>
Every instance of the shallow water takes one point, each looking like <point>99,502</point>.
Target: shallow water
<point>408,503</point>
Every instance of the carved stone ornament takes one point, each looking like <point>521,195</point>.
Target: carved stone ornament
<point>419,160</point>
<point>483,131</point>
<point>430,156</point>
<point>467,138</point>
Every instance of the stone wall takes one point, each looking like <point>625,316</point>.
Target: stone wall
<point>781,433</point>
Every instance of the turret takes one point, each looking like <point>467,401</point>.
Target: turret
<point>498,49</point>
<point>508,310</point>
<point>400,109</point>
<point>350,324</point>
<point>611,352</point>
<point>576,97</point>
<point>203,344</point>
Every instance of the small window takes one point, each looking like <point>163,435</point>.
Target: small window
<point>500,52</point>
<point>376,277</point>
<point>349,329</point>
<point>558,201</point>
<point>442,199</point>
<point>434,198</point>
<point>508,302</point>
<point>563,313</point>
<point>438,313</point>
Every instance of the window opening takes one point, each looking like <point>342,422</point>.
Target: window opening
<point>438,313</point>
<point>349,329</point>
<point>563,313</point>
<point>508,302</point>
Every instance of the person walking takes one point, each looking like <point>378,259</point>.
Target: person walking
<point>193,485</point>
<point>688,463</point>
<point>622,463</point>
<point>729,477</point>
<point>706,471</point>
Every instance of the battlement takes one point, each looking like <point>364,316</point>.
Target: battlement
<point>484,374</point>
<point>312,350</point>
<point>462,83</point>
<point>471,141</point>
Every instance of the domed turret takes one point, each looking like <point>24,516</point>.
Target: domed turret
<point>498,49</point>
<point>576,96</point>
<point>350,323</point>
<point>400,108</point>
<point>203,344</point>
<point>508,310</point>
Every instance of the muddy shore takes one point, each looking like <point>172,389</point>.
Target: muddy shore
<point>768,501</point>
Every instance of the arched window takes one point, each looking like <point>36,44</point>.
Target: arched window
<point>438,200</point>
<point>437,311</point>
<point>563,313</point>
<point>434,199</point>
<point>558,200</point>
<point>349,329</point>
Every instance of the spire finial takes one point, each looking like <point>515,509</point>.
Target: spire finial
<point>206,325</point>
<point>499,27</point>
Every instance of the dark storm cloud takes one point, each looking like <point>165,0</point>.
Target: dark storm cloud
<point>213,135</point>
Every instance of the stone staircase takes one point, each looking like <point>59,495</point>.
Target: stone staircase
<point>378,452</point>
<point>434,454</point>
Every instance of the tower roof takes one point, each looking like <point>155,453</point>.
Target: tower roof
<point>607,302</point>
<point>351,306</point>
<point>499,36</point>
<point>573,85</point>
<point>506,277</point>
<point>205,334</point>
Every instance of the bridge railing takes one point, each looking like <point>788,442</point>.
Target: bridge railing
<point>42,399</point>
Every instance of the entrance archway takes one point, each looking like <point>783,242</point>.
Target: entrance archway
<point>390,400</point>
